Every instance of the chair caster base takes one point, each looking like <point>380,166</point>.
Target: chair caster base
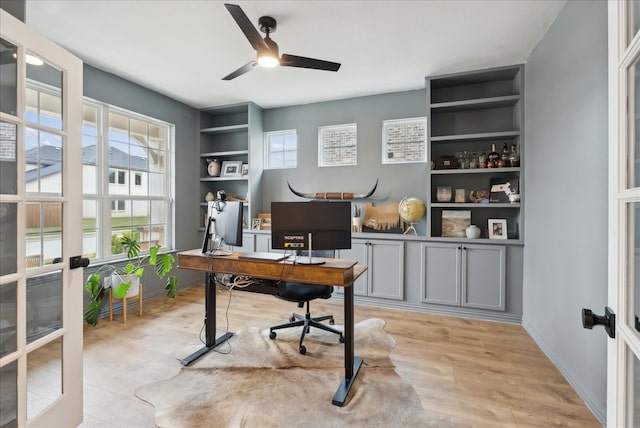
<point>302,349</point>
<point>272,335</point>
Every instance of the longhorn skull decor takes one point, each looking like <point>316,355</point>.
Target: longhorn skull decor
<point>334,195</point>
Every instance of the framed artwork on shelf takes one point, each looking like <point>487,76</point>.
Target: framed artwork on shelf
<point>265,221</point>
<point>245,169</point>
<point>255,223</point>
<point>455,223</point>
<point>231,169</point>
<point>497,228</point>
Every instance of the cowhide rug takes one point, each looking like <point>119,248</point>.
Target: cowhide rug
<point>254,381</point>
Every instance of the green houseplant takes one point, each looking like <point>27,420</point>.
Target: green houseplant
<point>122,277</point>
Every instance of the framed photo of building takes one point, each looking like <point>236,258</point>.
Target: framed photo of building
<point>497,228</point>
<point>265,221</point>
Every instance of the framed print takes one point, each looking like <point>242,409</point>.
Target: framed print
<point>497,228</point>
<point>245,169</point>
<point>255,223</point>
<point>231,169</point>
<point>265,221</point>
<point>455,222</point>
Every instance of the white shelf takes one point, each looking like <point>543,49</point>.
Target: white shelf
<point>224,154</point>
<point>482,136</point>
<point>475,171</point>
<point>474,205</point>
<point>225,129</point>
<point>234,178</point>
<point>475,104</point>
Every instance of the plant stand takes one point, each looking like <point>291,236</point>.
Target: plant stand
<point>124,304</point>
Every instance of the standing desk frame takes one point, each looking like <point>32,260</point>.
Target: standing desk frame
<point>336,272</point>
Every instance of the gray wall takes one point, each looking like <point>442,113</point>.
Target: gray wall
<point>565,258</point>
<point>396,181</point>
<point>111,89</point>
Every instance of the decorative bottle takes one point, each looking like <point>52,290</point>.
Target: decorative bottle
<point>503,162</point>
<point>493,157</point>
<point>514,159</point>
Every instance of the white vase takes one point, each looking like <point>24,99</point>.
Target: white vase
<point>209,197</point>
<point>473,232</point>
<point>356,224</point>
<point>133,290</point>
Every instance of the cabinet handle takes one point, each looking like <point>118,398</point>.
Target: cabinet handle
<point>464,248</point>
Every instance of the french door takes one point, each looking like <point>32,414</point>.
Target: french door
<point>40,229</point>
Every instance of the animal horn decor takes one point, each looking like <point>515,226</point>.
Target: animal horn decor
<point>334,195</point>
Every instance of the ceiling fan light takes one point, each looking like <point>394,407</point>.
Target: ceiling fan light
<point>268,61</point>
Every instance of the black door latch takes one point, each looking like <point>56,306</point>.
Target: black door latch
<point>589,319</point>
<point>78,261</point>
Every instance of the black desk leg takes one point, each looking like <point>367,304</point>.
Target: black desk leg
<point>209,323</point>
<point>351,364</point>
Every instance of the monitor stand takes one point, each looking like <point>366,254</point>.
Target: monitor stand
<point>309,260</point>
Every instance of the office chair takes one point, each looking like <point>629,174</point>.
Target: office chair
<point>301,294</point>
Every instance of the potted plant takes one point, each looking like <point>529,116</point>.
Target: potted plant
<point>125,280</point>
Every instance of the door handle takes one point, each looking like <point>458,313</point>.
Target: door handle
<point>78,261</point>
<point>589,319</point>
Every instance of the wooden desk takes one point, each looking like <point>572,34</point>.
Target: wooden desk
<point>336,272</point>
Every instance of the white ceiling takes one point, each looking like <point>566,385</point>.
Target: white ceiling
<point>183,48</point>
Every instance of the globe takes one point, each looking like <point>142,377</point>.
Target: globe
<point>411,210</point>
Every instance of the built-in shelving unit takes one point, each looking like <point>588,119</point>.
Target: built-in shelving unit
<point>231,134</point>
<point>469,112</point>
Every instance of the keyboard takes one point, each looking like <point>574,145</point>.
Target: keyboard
<point>258,255</point>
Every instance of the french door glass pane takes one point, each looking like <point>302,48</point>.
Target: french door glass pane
<point>633,145</point>
<point>8,238</point>
<point>44,233</point>
<point>633,274</point>
<point>44,305</point>
<point>8,398</point>
<point>44,377</point>
<point>8,79</point>
<point>634,18</point>
<point>89,150</point>
<point>44,107</point>
<point>43,162</point>
<point>90,228</point>
<point>8,165</point>
<point>8,319</point>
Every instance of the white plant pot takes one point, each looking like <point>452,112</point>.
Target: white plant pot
<point>133,290</point>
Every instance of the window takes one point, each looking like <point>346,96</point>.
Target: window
<point>127,180</point>
<point>117,205</point>
<point>404,140</point>
<point>281,148</point>
<point>117,177</point>
<point>337,145</point>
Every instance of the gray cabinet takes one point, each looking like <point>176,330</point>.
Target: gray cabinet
<point>384,259</point>
<point>468,112</point>
<point>468,275</point>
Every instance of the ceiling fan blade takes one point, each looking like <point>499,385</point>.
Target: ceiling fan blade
<point>246,26</point>
<point>242,70</point>
<point>304,62</point>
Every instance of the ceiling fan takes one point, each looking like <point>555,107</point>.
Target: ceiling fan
<point>267,50</point>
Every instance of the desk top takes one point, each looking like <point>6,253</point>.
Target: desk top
<point>338,272</point>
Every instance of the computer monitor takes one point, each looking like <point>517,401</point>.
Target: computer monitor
<point>223,227</point>
<point>308,226</point>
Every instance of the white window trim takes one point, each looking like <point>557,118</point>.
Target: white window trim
<point>385,159</point>
<point>267,147</point>
<point>321,130</point>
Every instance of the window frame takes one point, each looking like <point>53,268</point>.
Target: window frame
<point>348,127</point>
<point>268,151</point>
<point>385,143</point>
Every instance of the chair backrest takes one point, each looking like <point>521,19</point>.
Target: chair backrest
<point>327,254</point>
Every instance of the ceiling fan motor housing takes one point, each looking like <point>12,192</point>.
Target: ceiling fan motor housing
<point>267,25</point>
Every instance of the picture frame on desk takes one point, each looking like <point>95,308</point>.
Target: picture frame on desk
<point>231,169</point>
<point>497,228</point>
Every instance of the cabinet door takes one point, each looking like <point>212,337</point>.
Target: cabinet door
<point>358,251</point>
<point>386,269</point>
<point>441,276</point>
<point>483,276</point>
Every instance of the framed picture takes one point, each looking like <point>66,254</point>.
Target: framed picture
<point>231,168</point>
<point>455,223</point>
<point>255,223</point>
<point>245,169</point>
<point>497,228</point>
<point>501,188</point>
<point>265,221</point>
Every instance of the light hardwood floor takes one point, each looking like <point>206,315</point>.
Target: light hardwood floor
<point>466,372</point>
